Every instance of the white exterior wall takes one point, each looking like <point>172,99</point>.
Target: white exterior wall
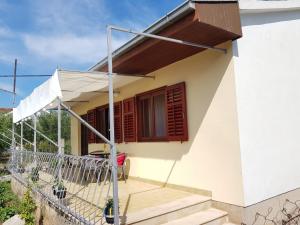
<point>267,69</point>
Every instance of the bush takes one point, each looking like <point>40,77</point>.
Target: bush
<point>28,208</point>
<point>9,202</point>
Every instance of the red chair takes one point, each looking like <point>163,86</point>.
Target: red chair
<point>121,158</point>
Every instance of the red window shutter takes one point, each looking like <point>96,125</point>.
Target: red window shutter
<point>129,120</point>
<point>118,122</point>
<point>91,119</point>
<point>176,112</point>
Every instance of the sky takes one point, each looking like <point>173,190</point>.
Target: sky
<point>69,34</point>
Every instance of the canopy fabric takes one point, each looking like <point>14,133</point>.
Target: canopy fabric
<point>70,87</point>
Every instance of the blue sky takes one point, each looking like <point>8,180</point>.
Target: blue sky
<point>69,34</point>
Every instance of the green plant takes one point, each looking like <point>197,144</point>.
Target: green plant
<point>28,208</point>
<point>9,202</point>
<point>109,211</point>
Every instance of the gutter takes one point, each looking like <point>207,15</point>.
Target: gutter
<point>173,16</point>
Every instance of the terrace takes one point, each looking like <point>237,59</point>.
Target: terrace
<point>87,183</point>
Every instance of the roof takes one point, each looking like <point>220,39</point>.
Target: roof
<point>5,110</point>
<point>204,22</point>
<point>246,6</point>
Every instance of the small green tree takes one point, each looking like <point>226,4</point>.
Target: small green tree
<point>5,123</point>
<point>28,208</point>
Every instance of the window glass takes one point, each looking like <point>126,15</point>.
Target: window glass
<point>159,115</point>
<point>146,119</point>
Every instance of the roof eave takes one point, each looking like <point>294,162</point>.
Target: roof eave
<point>173,16</point>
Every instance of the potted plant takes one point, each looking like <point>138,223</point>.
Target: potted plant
<point>34,175</point>
<point>20,169</point>
<point>109,211</point>
<point>59,189</point>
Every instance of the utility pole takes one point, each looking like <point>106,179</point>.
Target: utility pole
<point>15,81</point>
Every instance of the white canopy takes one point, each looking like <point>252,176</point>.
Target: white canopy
<point>71,87</point>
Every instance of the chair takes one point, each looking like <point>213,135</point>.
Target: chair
<point>121,158</point>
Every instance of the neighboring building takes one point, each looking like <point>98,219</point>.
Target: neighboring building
<point>225,124</point>
<point>5,110</point>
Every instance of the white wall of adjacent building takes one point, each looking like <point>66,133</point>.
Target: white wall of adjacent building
<point>267,76</point>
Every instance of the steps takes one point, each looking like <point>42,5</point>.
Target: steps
<point>209,217</point>
<point>169,211</point>
<point>191,210</point>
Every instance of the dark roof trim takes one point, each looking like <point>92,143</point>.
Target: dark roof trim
<point>176,14</point>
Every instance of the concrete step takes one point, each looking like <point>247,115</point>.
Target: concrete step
<point>169,211</point>
<point>228,223</point>
<point>210,216</point>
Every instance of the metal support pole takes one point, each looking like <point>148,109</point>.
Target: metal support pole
<point>86,124</point>
<point>24,139</point>
<point>34,134</point>
<point>13,143</point>
<point>40,133</point>
<point>59,138</point>
<point>168,39</point>
<point>60,151</point>
<point>21,135</point>
<point>112,128</point>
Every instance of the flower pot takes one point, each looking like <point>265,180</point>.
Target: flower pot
<point>60,193</point>
<point>20,170</point>
<point>109,218</point>
<point>35,177</point>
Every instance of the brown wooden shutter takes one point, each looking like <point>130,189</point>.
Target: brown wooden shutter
<point>91,119</point>
<point>176,112</point>
<point>118,122</point>
<point>129,120</point>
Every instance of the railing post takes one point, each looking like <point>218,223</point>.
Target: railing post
<point>13,143</point>
<point>34,134</point>
<point>60,151</point>
<point>112,128</point>
<point>21,135</point>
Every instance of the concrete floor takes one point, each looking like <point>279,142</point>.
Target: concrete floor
<point>89,199</point>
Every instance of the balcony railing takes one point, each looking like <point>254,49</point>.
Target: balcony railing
<point>77,186</point>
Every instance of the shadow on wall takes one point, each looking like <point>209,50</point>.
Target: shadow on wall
<point>269,17</point>
<point>203,77</point>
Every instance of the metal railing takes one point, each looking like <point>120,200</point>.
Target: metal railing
<point>78,186</point>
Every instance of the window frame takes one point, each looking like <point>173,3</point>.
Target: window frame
<point>150,94</point>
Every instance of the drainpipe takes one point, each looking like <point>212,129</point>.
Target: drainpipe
<point>112,128</point>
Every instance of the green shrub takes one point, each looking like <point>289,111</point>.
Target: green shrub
<point>28,208</point>
<point>9,202</point>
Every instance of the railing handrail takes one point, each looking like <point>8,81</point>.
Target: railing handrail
<point>77,185</point>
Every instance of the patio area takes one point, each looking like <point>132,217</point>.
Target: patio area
<point>88,186</point>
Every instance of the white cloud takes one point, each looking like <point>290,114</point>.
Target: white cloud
<point>80,49</point>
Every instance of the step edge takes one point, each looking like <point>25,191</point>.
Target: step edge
<point>225,214</point>
<point>165,213</point>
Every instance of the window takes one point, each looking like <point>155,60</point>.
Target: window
<point>152,116</point>
<point>102,122</point>
<point>91,119</point>
<point>176,112</point>
<point>157,115</point>
<point>129,119</point>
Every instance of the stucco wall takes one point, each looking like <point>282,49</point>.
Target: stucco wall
<point>267,69</point>
<point>210,160</point>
